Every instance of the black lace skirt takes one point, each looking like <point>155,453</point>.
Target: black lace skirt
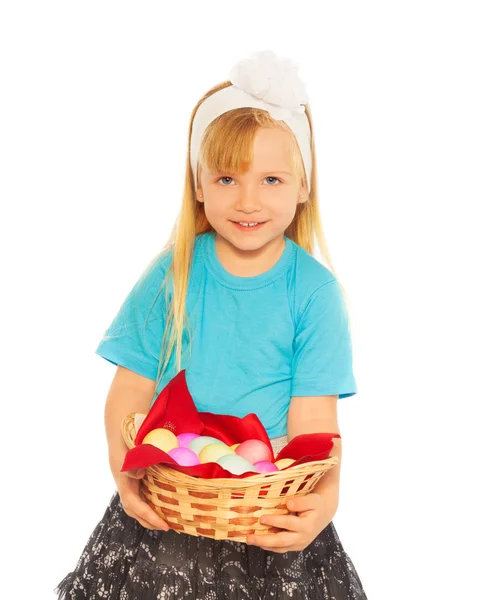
<point>123,560</point>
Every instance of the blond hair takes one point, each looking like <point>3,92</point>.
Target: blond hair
<point>236,130</point>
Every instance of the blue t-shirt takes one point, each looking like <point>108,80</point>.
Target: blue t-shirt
<point>255,341</point>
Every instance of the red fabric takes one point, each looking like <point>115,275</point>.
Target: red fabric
<point>175,409</point>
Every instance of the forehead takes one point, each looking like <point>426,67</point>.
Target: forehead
<point>271,147</point>
<point>271,150</point>
<point>234,148</point>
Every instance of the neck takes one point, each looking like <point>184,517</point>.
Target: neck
<point>248,263</point>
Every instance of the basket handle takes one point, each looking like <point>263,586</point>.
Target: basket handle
<point>128,430</point>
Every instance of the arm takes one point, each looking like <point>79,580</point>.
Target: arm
<point>312,414</point>
<point>129,392</point>
<point>310,514</point>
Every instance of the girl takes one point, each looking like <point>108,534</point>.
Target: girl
<point>259,325</point>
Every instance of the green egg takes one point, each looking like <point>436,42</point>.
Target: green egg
<point>235,464</point>
<point>198,443</point>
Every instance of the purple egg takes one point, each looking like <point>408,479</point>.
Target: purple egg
<point>265,466</point>
<point>184,439</point>
<point>184,456</point>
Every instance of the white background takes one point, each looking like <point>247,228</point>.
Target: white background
<point>96,98</point>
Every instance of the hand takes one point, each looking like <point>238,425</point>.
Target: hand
<point>128,485</point>
<point>315,512</point>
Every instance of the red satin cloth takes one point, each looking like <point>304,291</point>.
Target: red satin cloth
<point>175,409</point>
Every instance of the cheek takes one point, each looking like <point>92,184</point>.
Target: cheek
<point>215,207</point>
<point>282,208</point>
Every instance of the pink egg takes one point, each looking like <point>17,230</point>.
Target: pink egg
<point>265,466</point>
<point>254,451</point>
<point>184,456</point>
<point>184,439</point>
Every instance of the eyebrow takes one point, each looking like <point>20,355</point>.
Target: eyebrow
<point>264,173</point>
<point>279,172</point>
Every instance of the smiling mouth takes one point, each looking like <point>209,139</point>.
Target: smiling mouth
<point>247,228</point>
<point>257,222</point>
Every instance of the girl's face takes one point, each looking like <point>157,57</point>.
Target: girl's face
<point>267,193</point>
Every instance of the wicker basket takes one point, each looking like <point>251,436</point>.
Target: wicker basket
<point>223,508</point>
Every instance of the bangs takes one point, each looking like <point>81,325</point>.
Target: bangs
<point>227,144</point>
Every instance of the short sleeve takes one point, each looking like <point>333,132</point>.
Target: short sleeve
<point>134,337</point>
<point>322,350</point>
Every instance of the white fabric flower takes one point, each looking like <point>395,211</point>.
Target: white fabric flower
<point>272,79</point>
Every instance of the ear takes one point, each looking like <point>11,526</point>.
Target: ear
<point>302,194</point>
<point>199,195</point>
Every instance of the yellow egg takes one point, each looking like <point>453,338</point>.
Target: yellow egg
<point>234,446</point>
<point>212,452</point>
<point>161,438</point>
<point>284,462</point>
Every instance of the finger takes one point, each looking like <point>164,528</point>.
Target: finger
<point>278,550</point>
<point>301,503</point>
<point>138,508</point>
<point>150,516</point>
<point>145,514</point>
<point>146,524</point>
<point>282,540</point>
<point>290,522</point>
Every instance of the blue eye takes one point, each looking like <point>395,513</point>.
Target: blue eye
<point>269,179</point>
<point>225,178</point>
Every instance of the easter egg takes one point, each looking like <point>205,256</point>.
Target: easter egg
<point>184,439</point>
<point>184,456</point>
<point>235,464</point>
<point>201,441</point>
<point>254,451</point>
<point>265,466</point>
<point>284,462</point>
<point>211,452</point>
<point>161,438</point>
<point>235,446</point>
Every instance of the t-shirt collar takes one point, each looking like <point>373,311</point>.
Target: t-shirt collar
<point>227,279</point>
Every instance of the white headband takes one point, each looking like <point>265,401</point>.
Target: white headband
<point>263,81</point>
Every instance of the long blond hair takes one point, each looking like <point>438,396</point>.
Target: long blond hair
<point>235,130</point>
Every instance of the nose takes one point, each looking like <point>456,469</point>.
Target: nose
<point>247,201</point>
